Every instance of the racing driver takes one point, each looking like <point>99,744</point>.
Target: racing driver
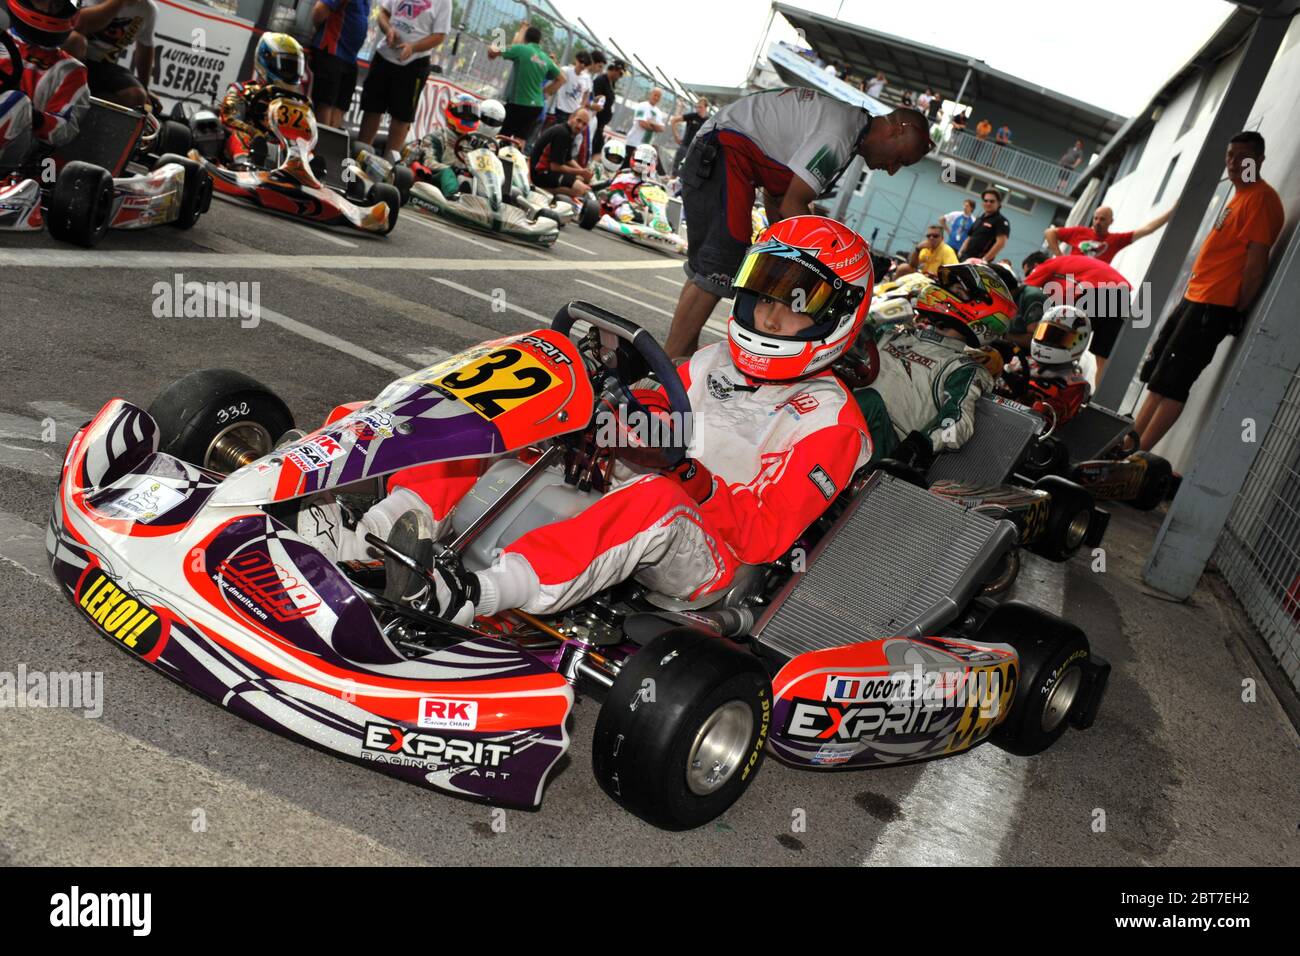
<point>775,437</point>
<point>278,67</point>
<point>54,96</point>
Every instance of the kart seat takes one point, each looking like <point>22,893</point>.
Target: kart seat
<point>1093,432</point>
<point>898,561</point>
<point>1003,431</point>
<point>107,137</point>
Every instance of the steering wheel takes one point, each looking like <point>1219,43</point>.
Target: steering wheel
<point>11,80</point>
<point>626,351</point>
<point>472,141</point>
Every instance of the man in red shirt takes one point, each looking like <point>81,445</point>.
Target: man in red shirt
<point>1097,240</point>
<point>1226,277</point>
<point>1093,286</point>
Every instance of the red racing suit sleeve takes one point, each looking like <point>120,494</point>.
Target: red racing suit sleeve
<point>760,520</point>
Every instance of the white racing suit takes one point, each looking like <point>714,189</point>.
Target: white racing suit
<point>436,151</point>
<point>779,455</point>
<point>927,383</point>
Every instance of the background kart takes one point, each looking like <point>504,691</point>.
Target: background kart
<point>871,643</point>
<point>648,224</point>
<point>291,178</point>
<point>121,172</point>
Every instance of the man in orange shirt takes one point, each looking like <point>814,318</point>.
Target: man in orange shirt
<point>1226,277</point>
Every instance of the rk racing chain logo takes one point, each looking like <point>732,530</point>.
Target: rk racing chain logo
<point>120,614</point>
<point>385,743</point>
<point>267,586</point>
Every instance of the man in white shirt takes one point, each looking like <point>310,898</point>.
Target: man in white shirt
<point>411,29</point>
<point>575,93</point>
<point>648,120</point>
<point>104,31</point>
<point>876,86</point>
<point>794,144</point>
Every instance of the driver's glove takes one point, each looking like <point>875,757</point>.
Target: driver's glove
<point>695,479</point>
<point>916,450</point>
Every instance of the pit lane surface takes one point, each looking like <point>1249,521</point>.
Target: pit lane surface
<point>1183,769</point>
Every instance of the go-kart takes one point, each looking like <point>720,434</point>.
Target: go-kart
<point>288,177</point>
<point>870,643</point>
<point>537,201</point>
<point>482,201</point>
<point>119,173</point>
<point>637,210</point>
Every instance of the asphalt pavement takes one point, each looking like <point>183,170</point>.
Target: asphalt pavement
<point>1178,769</point>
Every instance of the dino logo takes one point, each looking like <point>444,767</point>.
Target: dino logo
<point>263,587</point>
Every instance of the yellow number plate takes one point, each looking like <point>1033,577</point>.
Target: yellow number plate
<point>500,381</point>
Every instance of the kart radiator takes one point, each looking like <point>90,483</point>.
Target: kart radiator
<point>900,561</point>
<point>1002,433</point>
<point>1092,432</point>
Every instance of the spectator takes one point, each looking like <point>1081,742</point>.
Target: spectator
<point>907,99</point>
<point>575,92</point>
<point>1226,277</point>
<point>959,222</point>
<point>1098,241</point>
<point>932,252</point>
<point>982,129</point>
<point>103,33</point>
<point>602,88</point>
<point>556,162</point>
<point>400,66</point>
<point>341,27</point>
<point>648,120</point>
<point>527,96</point>
<point>1003,137</point>
<point>876,86</point>
<point>794,144</point>
<point>936,104</point>
<point>923,101</point>
<point>692,121</point>
<point>989,233</point>
<point>1096,288</point>
<point>1070,161</point>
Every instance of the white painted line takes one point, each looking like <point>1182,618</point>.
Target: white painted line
<point>320,337</point>
<point>430,356</point>
<point>160,261</point>
<point>422,221</point>
<point>573,245</point>
<point>640,288</point>
<point>627,298</point>
<point>328,237</point>
<point>963,807</point>
<point>675,283</point>
<point>487,298</point>
<point>22,545</point>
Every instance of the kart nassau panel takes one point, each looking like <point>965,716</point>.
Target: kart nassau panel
<point>647,236</point>
<point>20,206</point>
<point>1112,479</point>
<point>889,701</point>
<point>294,191</point>
<point>239,609</point>
<point>488,400</point>
<point>148,200</point>
<point>484,214</point>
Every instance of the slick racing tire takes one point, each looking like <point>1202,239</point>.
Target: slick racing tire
<point>403,180</point>
<point>1067,520</point>
<point>81,206</point>
<point>219,419</point>
<point>1051,677</point>
<point>1155,483</point>
<point>196,195</point>
<point>589,212</point>
<point>1046,456</point>
<point>174,137</point>
<point>382,192</point>
<point>681,733</point>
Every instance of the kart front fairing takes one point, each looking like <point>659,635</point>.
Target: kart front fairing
<point>187,572</point>
<point>482,206</point>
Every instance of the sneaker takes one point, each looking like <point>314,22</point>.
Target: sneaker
<point>449,592</point>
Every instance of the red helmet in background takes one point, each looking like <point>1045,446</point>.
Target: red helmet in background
<point>972,298</point>
<point>45,23</point>
<point>461,113</point>
<point>819,268</point>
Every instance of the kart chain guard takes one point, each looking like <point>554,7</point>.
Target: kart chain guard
<point>900,562</point>
<point>1093,432</point>
<point>990,456</point>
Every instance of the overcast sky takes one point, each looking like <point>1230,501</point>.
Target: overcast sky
<point>1112,53</point>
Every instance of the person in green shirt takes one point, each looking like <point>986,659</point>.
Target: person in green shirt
<point>526,101</point>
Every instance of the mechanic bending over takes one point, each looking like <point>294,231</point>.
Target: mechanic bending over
<point>278,69</point>
<point>104,31</point>
<point>775,436</point>
<point>795,144</point>
<point>556,163</point>
<point>48,108</point>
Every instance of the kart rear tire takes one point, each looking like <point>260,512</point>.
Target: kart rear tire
<point>684,691</point>
<point>211,417</point>
<point>81,206</point>
<point>1067,520</point>
<point>174,137</point>
<point>196,194</point>
<point>589,212</point>
<point>1155,483</point>
<point>403,180</point>
<point>383,192</point>
<point>1051,677</point>
<point>1046,456</point>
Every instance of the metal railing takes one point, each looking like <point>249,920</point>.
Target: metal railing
<point>1259,549</point>
<point>1009,162</point>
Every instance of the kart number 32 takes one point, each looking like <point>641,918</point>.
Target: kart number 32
<point>499,381</point>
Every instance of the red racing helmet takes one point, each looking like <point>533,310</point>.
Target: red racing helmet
<point>461,113</point>
<point>972,298</point>
<point>819,268</point>
<point>46,23</point>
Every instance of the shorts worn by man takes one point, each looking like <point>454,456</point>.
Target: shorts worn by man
<point>341,27</point>
<point>48,108</point>
<point>791,143</point>
<point>774,438</point>
<point>410,30</point>
<point>109,28</point>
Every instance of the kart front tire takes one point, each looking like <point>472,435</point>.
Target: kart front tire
<point>682,732</point>
<point>216,418</point>
<point>1155,482</point>
<point>1069,515</point>
<point>383,192</point>
<point>81,206</point>
<point>174,137</point>
<point>1051,677</point>
<point>589,212</point>
<point>403,180</point>
<point>196,194</point>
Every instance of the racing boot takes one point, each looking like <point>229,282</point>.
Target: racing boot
<point>444,590</point>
